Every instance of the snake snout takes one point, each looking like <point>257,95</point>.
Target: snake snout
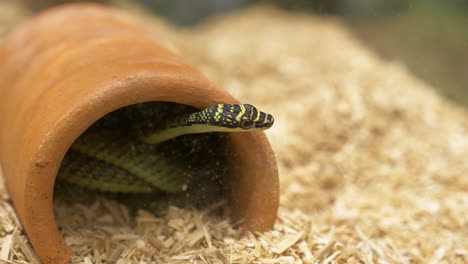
<point>266,123</point>
<point>270,120</point>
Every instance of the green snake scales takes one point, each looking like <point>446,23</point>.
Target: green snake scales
<point>134,149</point>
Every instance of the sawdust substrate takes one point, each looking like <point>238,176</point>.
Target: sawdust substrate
<point>372,161</point>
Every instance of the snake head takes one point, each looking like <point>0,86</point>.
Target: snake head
<point>240,117</point>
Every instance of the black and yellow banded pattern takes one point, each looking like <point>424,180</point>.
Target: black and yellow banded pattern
<point>228,116</point>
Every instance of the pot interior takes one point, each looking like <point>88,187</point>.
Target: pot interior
<point>109,159</point>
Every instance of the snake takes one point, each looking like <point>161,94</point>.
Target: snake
<point>153,147</point>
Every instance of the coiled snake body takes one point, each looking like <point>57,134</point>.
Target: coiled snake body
<point>129,150</point>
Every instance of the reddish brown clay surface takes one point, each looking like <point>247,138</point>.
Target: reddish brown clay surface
<point>68,67</point>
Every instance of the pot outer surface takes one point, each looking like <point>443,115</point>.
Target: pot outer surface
<point>57,80</point>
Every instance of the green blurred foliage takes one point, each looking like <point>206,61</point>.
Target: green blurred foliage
<point>429,36</point>
<point>42,4</point>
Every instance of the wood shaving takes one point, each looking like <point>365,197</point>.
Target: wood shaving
<point>372,161</point>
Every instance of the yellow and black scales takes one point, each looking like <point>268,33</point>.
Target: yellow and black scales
<point>148,147</point>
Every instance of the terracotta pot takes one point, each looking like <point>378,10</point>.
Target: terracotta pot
<point>68,67</point>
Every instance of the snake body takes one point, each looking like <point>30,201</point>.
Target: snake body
<point>148,147</point>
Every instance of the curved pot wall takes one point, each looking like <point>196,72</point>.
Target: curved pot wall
<point>66,68</point>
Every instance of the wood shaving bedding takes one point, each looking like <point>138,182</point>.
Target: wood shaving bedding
<point>372,161</point>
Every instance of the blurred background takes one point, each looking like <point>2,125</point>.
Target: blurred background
<point>429,36</point>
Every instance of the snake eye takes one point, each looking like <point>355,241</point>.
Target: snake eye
<point>246,123</point>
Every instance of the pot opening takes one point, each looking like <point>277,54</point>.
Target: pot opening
<point>109,159</point>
